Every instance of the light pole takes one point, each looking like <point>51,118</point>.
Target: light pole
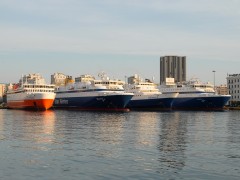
<point>214,79</point>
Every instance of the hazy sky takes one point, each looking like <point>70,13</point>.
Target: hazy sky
<point>120,37</point>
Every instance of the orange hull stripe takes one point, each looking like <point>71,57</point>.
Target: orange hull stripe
<point>43,104</point>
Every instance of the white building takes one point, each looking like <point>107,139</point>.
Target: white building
<point>3,89</point>
<point>222,89</point>
<point>59,79</point>
<point>233,84</point>
<point>84,78</point>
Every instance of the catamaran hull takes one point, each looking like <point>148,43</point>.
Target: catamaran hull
<point>83,101</point>
<point>151,104</point>
<point>217,102</point>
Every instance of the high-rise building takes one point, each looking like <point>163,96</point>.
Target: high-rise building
<point>173,67</point>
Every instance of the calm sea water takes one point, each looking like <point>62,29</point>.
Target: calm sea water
<point>134,145</point>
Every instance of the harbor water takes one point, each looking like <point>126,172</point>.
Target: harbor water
<point>62,144</point>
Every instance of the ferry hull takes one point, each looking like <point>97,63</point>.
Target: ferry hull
<point>94,103</point>
<point>36,104</point>
<point>200,103</point>
<point>151,104</point>
<point>39,101</point>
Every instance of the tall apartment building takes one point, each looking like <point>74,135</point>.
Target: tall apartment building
<point>173,67</point>
<point>233,84</point>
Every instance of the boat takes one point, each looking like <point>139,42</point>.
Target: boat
<point>147,96</point>
<point>88,93</point>
<point>31,92</point>
<point>194,95</point>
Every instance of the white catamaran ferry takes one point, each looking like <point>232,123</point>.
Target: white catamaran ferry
<point>88,93</point>
<point>147,96</point>
<point>194,95</point>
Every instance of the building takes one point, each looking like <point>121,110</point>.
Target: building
<point>3,89</point>
<point>233,84</point>
<point>84,78</point>
<point>59,79</point>
<point>172,67</point>
<point>134,79</point>
<point>32,79</point>
<point>222,89</point>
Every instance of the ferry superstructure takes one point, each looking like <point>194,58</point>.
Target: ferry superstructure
<point>31,92</point>
<point>88,93</point>
<point>194,95</point>
<point>147,96</point>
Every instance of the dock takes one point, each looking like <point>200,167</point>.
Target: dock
<point>234,108</point>
<point>3,106</point>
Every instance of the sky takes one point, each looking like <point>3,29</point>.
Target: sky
<point>119,37</point>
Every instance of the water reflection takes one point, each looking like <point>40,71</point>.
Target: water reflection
<point>233,128</point>
<point>200,122</point>
<point>35,127</point>
<point>233,140</point>
<point>97,133</point>
<point>172,141</point>
<point>2,136</point>
<point>146,128</point>
<point>110,128</point>
<point>143,145</point>
<point>104,127</point>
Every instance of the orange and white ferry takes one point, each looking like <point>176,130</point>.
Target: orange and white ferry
<point>31,92</point>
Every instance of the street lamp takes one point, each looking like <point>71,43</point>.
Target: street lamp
<point>214,79</point>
